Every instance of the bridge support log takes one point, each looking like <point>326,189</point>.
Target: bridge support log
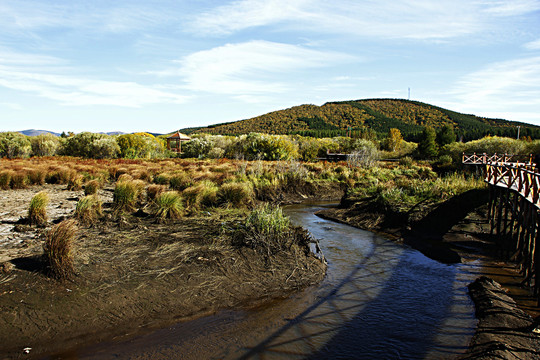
<point>514,221</point>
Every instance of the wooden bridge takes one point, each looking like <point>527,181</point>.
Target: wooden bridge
<point>514,205</point>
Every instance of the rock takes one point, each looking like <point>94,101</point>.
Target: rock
<point>6,267</point>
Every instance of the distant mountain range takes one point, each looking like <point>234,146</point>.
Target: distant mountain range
<point>33,132</point>
<point>372,116</point>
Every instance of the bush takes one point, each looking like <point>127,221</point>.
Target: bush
<point>88,210</point>
<point>57,249</point>
<point>365,154</point>
<point>169,205</point>
<point>236,194</point>
<point>45,144</point>
<point>14,145</point>
<point>37,212</point>
<point>90,145</point>
<point>140,145</point>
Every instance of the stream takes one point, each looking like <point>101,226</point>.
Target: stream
<point>379,300</point>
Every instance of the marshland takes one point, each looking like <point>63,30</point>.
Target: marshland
<point>122,236</point>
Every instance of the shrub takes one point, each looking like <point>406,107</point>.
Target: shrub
<point>364,155</point>
<point>14,145</point>
<point>57,249</point>
<point>236,194</point>
<point>91,187</point>
<point>37,212</point>
<point>88,209</point>
<point>44,144</point>
<point>168,205</point>
<point>162,179</point>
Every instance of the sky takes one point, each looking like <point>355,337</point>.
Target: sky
<point>163,65</point>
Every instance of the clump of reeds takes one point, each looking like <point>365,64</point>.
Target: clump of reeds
<point>203,194</point>
<point>5,179</point>
<point>267,230</point>
<point>91,187</point>
<point>57,249</point>
<point>88,210</point>
<point>75,183</point>
<point>168,205</point>
<point>37,211</point>
<point>37,176</point>
<point>180,181</point>
<point>126,194</point>
<point>19,180</point>
<point>162,179</point>
<point>236,194</point>
<point>153,190</point>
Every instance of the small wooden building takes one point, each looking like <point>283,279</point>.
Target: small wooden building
<point>174,142</point>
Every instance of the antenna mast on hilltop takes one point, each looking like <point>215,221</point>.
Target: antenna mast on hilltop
<point>409,97</point>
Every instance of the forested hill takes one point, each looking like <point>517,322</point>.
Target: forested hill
<point>368,118</point>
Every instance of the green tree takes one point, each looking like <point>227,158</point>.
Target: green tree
<point>427,147</point>
<point>446,135</point>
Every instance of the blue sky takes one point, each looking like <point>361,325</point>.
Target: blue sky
<point>163,65</point>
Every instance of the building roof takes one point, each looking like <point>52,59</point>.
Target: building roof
<point>179,135</point>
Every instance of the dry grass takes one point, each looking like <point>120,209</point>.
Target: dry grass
<point>169,206</point>
<point>37,211</point>
<point>58,249</point>
<point>88,210</point>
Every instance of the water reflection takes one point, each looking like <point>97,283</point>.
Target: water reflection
<point>380,300</point>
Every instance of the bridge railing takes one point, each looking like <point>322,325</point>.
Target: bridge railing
<point>482,159</point>
<point>519,177</point>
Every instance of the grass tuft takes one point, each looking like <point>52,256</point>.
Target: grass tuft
<point>169,205</point>
<point>238,194</point>
<point>57,249</point>
<point>91,187</point>
<point>88,210</point>
<point>37,212</point>
<point>126,194</point>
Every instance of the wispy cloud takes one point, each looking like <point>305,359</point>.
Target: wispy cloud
<point>533,45</point>
<point>502,86</point>
<point>46,77</point>
<point>251,68</point>
<point>419,19</point>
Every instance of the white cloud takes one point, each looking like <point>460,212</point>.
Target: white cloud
<point>46,77</point>
<point>533,45</point>
<point>419,19</point>
<point>509,87</point>
<point>251,68</point>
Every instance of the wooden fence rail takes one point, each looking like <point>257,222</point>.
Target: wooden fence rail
<point>514,211</point>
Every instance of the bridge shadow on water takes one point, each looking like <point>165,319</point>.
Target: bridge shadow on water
<point>416,312</point>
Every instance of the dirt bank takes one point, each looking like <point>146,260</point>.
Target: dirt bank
<point>131,274</point>
<point>504,331</point>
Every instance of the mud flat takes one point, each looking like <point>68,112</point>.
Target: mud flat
<point>132,274</point>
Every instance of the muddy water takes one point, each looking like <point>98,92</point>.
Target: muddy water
<point>380,300</point>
